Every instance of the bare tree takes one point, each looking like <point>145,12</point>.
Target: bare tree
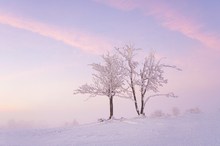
<point>128,53</point>
<point>149,79</point>
<point>108,80</point>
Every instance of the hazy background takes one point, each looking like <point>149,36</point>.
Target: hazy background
<point>46,46</point>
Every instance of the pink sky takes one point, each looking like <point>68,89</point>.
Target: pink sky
<point>45,49</point>
<point>79,39</point>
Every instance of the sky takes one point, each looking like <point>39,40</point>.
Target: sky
<point>46,46</point>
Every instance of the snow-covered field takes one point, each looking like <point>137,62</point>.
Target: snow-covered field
<point>188,130</point>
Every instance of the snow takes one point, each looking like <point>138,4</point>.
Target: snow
<point>190,129</point>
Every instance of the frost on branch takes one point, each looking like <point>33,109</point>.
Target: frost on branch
<point>148,79</point>
<point>128,53</point>
<point>108,79</point>
<point>152,77</point>
<point>152,74</point>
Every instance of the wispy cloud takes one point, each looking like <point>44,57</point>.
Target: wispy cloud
<point>173,20</point>
<point>77,39</point>
<point>169,18</point>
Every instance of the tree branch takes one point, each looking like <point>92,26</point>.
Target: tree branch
<point>167,95</point>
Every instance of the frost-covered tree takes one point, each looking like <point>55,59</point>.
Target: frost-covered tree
<point>108,80</point>
<point>128,53</point>
<point>151,78</point>
<point>148,79</point>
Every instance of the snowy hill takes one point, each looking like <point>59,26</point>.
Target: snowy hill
<point>187,130</point>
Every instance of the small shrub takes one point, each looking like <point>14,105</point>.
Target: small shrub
<point>157,114</point>
<point>175,111</point>
<point>194,110</point>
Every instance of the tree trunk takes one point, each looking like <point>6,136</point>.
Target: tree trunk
<point>142,106</point>
<point>111,107</point>
<point>134,95</point>
<point>135,100</point>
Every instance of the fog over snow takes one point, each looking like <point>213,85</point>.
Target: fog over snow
<point>190,129</point>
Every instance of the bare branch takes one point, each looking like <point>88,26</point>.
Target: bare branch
<point>171,94</point>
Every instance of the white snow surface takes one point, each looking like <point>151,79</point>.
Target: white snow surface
<point>188,130</point>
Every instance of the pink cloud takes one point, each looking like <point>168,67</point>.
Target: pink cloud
<point>77,39</point>
<point>189,27</point>
<point>169,18</point>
